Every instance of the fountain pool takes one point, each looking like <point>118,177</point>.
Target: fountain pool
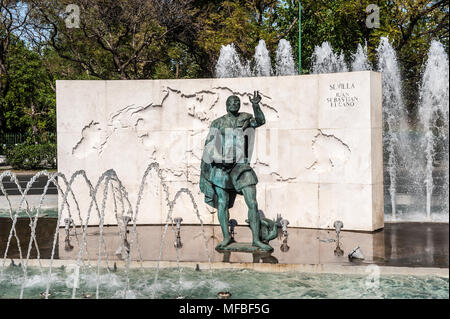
<point>404,260</point>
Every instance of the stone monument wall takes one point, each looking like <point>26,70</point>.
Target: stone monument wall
<point>318,157</point>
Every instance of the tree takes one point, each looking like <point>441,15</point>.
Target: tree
<point>115,39</point>
<point>13,17</point>
<point>140,39</point>
<point>29,104</point>
<point>410,25</point>
<point>243,23</point>
<point>414,24</point>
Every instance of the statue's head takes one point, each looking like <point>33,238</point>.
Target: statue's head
<point>233,104</point>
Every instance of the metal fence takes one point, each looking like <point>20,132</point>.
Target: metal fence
<point>11,138</point>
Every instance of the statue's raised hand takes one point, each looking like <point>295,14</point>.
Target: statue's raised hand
<point>256,98</point>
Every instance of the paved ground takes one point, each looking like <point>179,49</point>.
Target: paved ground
<point>23,179</point>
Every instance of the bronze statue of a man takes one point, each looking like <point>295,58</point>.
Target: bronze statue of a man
<point>225,169</point>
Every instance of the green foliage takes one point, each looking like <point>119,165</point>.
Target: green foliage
<point>243,23</point>
<point>32,156</point>
<point>131,39</point>
<point>29,104</point>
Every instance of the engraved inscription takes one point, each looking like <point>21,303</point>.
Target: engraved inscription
<point>342,95</point>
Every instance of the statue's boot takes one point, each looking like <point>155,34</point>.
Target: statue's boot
<point>225,242</point>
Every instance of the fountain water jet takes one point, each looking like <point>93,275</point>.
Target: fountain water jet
<point>433,116</point>
<point>262,64</point>
<point>360,61</point>
<point>284,61</point>
<point>394,117</point>
<point>326,61</point>
<point>107,187</point>
<point>229,64</point>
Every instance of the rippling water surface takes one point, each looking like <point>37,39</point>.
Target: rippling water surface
<point>191,284</point>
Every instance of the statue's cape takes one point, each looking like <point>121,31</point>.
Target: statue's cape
<point>207,188</point>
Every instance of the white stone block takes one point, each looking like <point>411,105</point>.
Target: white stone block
<point>318,157</point>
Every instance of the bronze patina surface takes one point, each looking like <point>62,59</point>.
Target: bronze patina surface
<point>226,172</point>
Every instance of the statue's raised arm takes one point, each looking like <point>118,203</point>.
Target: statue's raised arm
<point>259,115</point>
